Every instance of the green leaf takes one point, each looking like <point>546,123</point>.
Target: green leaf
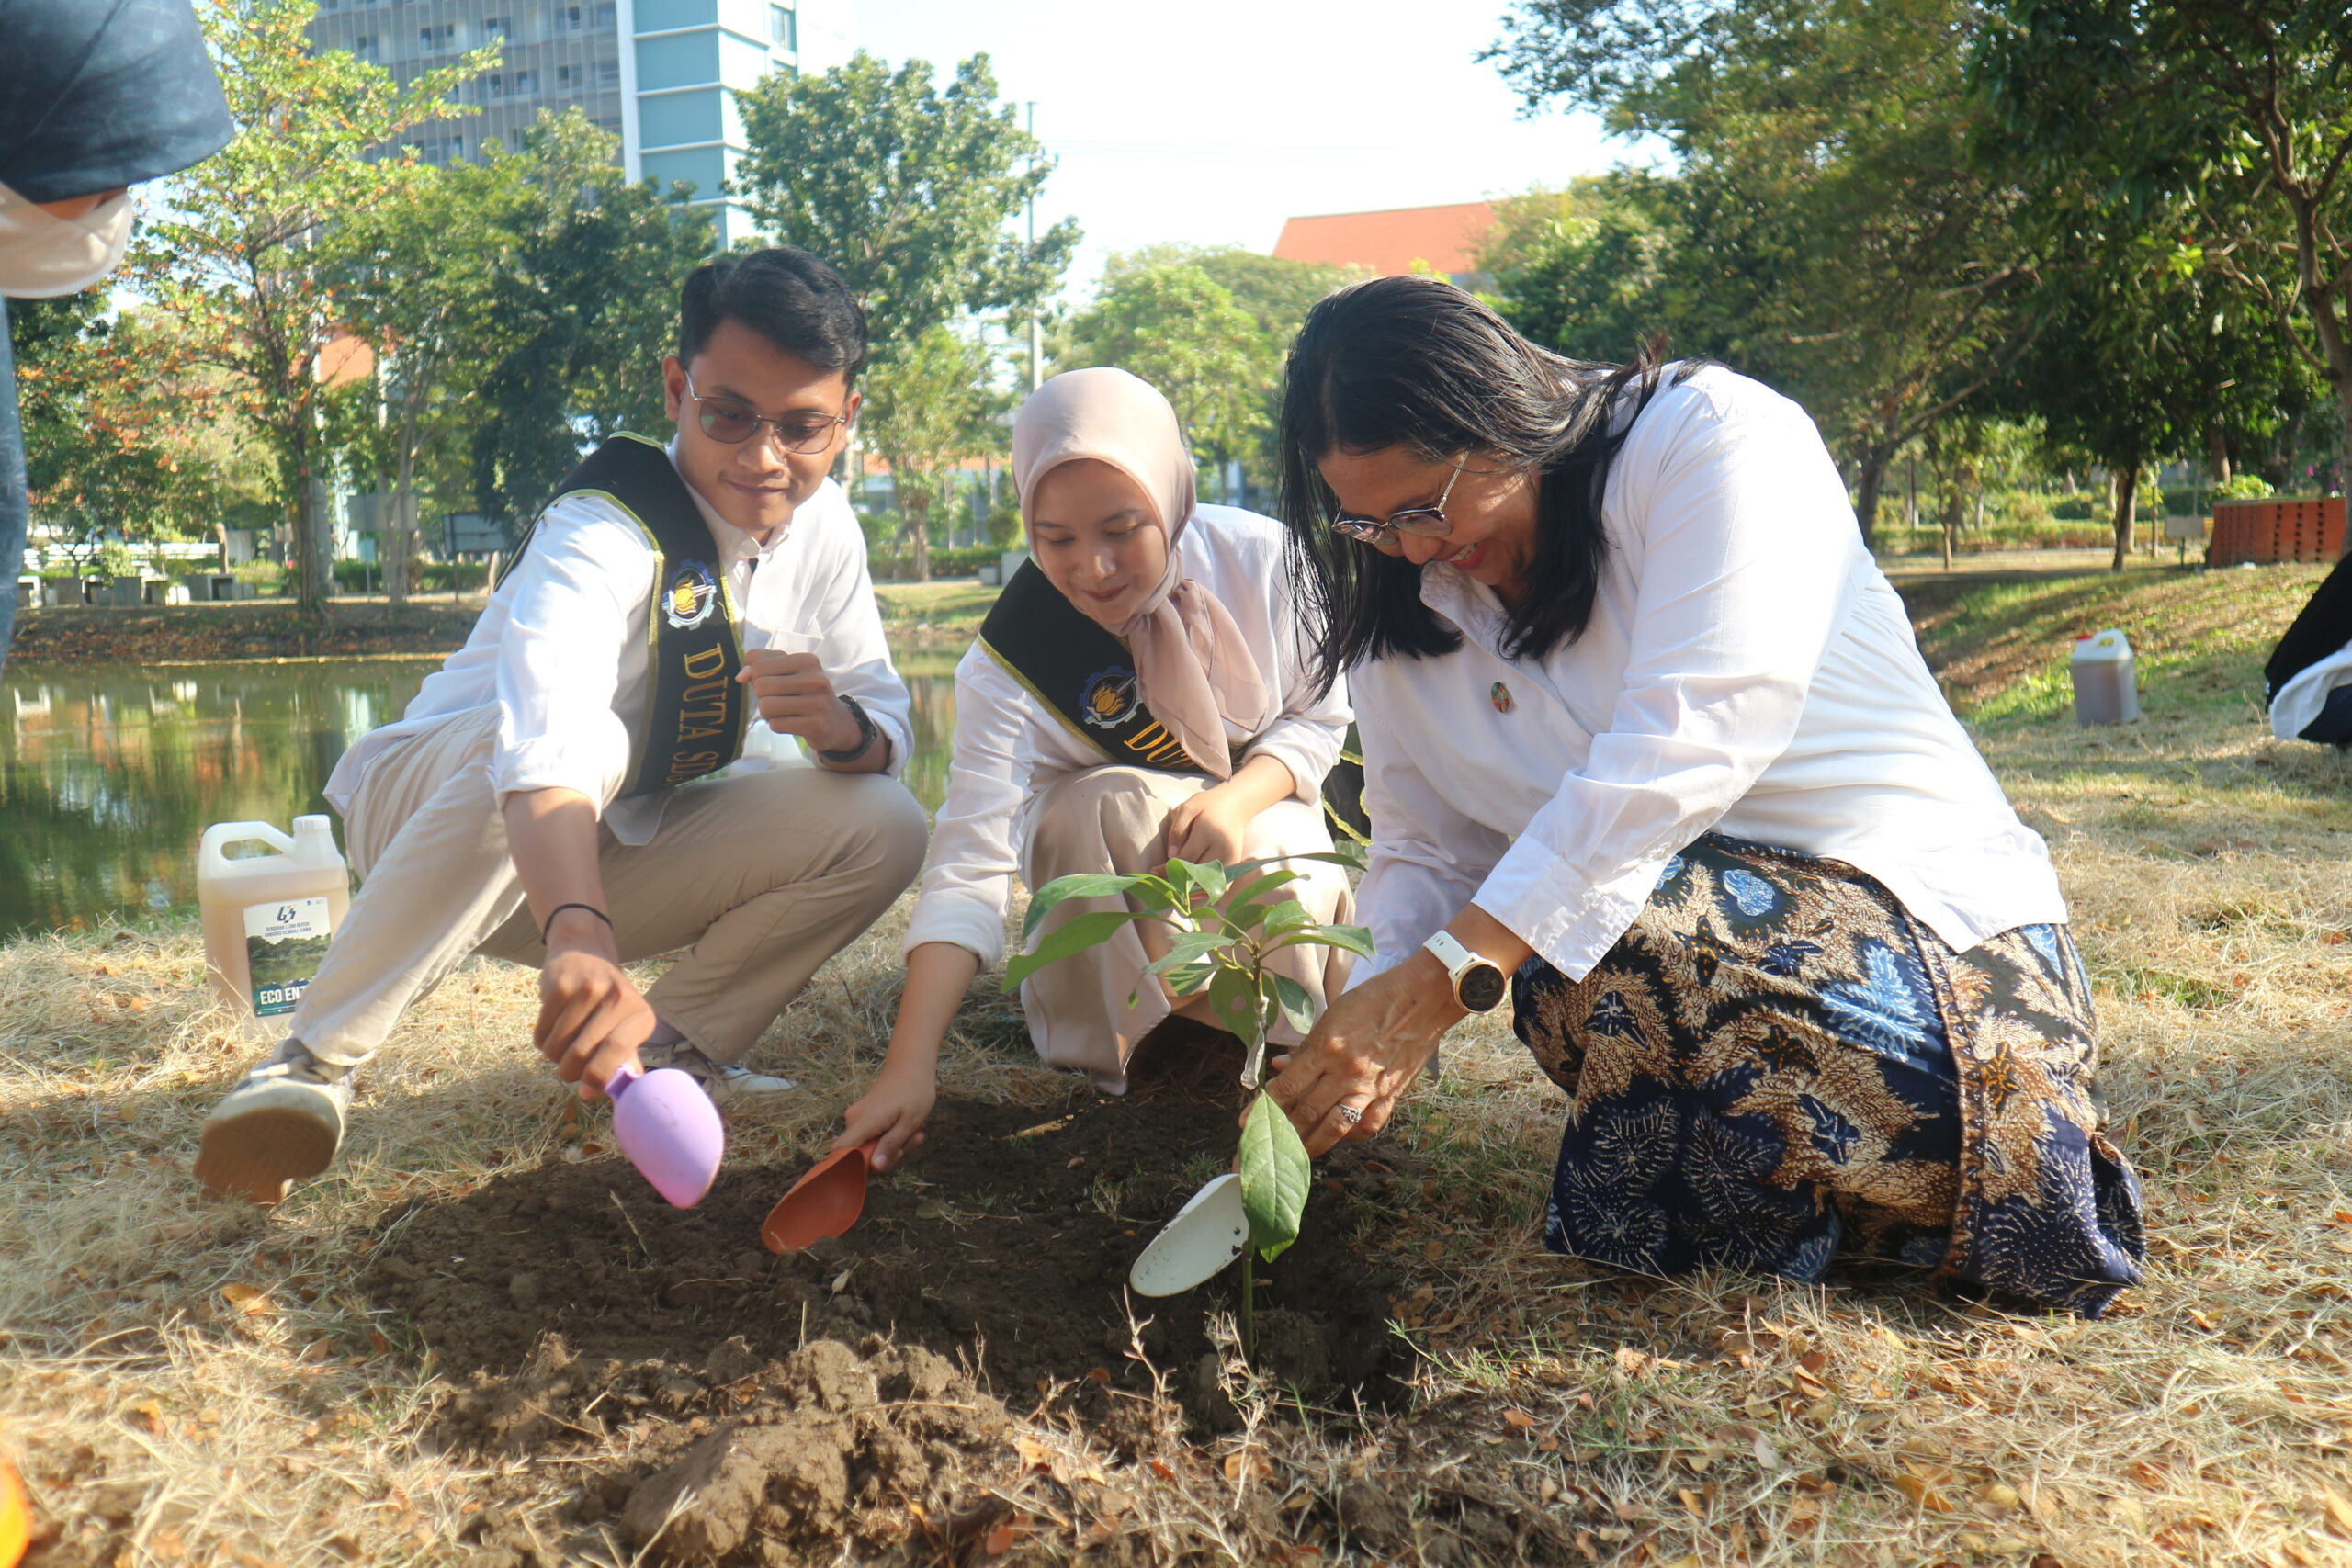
<point>1275,1174</point>
<point>1075,935</point>
<point>1354,938</point>
<point>1297,1005</point>
<point>1187,948</point>
<point>1188,981</point>
<point>1209,876</point>
<point>1086,884</point>
<point>1288,915</point>
<point>1233,997</point>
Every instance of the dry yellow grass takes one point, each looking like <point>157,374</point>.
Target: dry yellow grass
<point>185,1381</point>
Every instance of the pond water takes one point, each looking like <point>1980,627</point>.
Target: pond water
<point>108,777</point>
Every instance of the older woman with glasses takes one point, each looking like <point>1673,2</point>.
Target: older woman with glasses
<point>1141,690</point>
<point>1649,748</point>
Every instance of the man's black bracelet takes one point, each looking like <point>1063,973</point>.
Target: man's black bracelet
<point>867,734</point>
<point>560,908</point>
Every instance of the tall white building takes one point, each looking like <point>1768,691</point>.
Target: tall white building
<point>661,74</point>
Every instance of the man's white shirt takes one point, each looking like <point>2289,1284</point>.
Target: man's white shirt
<point>561,647</point>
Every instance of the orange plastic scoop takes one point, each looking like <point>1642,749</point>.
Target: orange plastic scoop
<point>824,1203</point>
<point>15,1517</point>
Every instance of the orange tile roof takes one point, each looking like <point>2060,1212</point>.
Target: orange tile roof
<point>343,359</point>
<point>1443,239</point>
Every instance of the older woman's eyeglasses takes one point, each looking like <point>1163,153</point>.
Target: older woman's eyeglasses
<point>1427,521</point>
<point>723,419</point>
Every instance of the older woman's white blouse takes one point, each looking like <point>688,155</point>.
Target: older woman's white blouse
<point>1010,746</point>
<point>1748,670</point>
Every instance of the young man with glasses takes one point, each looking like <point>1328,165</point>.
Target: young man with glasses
<point>545,799</point>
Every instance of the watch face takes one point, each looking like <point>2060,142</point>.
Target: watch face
<point>1482,988</point>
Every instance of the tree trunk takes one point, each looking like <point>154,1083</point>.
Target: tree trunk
<point>398,538</point>
<point>1871,478</point>
<point>916,503</point>
<point>314,545</point>
<point>2217,453</point>
<point>1955,503</point>
<point>2126,483</point>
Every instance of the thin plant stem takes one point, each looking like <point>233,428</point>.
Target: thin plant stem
<point>1249,1306</point>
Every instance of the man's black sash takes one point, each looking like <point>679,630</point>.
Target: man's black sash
<point>694,711</point>
<point>1080,671</point>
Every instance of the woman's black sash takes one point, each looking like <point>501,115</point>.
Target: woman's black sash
<point>1080,671</point>
<point>1087,677</point>
<point>695,713</point>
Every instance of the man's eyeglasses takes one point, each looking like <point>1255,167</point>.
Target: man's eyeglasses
<point>734,424</point>
<point>1427,521</point>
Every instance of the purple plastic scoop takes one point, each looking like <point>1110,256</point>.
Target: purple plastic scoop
<point>669,1130</point>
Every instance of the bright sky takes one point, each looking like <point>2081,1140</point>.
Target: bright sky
<point>1212,120</point>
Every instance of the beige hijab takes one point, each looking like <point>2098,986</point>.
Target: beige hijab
<point>1192,667</point>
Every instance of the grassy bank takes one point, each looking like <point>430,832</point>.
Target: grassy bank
<point>924,616</point>
<point>190,1381</point>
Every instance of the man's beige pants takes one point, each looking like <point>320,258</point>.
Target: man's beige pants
<point>1115,819</point>
<point>760,878</point>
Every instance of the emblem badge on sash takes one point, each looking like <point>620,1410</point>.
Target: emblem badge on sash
<point>1108,698</point>
<point>692,594</point>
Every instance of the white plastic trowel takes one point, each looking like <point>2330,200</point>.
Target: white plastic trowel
<point>1207,1234</point>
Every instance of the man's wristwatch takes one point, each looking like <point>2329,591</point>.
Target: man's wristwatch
<point>1479,983</point>
<point>867,734</point>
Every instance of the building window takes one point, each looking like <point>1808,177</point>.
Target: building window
<point>442,37</point>
<point>525,84</point>
<point>608,72</point>
<point>364,47</point>
<point>605,15</point>
<point>493,27</point>
<point>495,85</point>
<point>566,78</point>
<point>569,19</point>
<point>784,28</point>
<point>609,127</point>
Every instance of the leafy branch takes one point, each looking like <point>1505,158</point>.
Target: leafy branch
<point>1224,923</point>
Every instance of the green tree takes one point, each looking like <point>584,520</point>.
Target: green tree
<point>244,246</point>
<point>421,285</point>
<point>123,427</point>
<point>2234,116</point>
<point>1181,330</point>
<point>907,190</point>
<point>1827,228</point>
<point>586,296</point>
<point>932,405</point>
<point>2139,351</point>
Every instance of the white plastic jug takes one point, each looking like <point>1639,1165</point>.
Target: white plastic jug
<point>2106,688</point>
<point>267,918</point>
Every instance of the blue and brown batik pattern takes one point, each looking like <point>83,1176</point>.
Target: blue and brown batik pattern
<point>1777,1064</point>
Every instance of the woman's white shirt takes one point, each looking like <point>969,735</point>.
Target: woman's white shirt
<point>1010,745</point>
<point>1748,669</point>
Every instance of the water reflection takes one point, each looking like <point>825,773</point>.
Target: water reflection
<point>108,777</point>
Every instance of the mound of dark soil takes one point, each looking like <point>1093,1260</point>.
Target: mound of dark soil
<point>771,1463</point>
<point>1003,1243</point>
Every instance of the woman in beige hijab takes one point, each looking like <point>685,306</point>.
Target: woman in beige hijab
<point>1141,690</point>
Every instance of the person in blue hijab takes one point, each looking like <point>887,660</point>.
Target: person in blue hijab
<point>95,97</point>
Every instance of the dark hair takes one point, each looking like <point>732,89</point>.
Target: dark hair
<point>1415,362</point>
<point>787,295</point>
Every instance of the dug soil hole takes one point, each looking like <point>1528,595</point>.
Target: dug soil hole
<point>1003,1245</point>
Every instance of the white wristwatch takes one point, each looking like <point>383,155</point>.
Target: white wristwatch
<point>1479,983</point>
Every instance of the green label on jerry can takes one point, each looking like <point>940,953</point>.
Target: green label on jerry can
<point>284,943</point>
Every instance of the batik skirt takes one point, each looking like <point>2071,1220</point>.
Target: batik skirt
<point>1777,1064</point>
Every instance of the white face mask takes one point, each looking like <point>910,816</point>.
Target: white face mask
<point>44,256</point>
